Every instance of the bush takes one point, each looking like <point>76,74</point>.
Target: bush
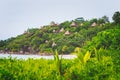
<point>108,39</point>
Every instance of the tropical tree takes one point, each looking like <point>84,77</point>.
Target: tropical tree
<point>93,20</point>
<point>101,21</point>
<point>116,17</point>
<point>105,18</point>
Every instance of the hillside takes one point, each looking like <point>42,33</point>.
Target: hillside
<point>64,37</point>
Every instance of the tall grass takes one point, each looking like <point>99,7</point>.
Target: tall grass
<point>85,67</point>
<point>58,64</point>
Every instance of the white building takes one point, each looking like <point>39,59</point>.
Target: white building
<point>67,33</point>
<point>73,24</point>
<point>61,30</point>
<point>93,24</point>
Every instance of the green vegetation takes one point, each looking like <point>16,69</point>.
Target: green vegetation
<point>116,17</point>
<point>95,42</point>
<point>67,35</point>
<point>105,66</point>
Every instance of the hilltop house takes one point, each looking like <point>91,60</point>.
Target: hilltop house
<point>94,24</point>
<point>73,24</point>
<point>61,30</point>
<point>67,33</point>
<point>80,20</point>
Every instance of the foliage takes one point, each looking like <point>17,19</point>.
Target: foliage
<point>97,49</point>
<point>58,63</point>
<point>40,40</point>
<point>86,57</point>
<point>95,68</point>
<point>116,17</point>
<point>105,18</point>
<point>108,39</point>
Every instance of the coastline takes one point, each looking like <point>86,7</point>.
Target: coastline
<point>38,54</point>
<point>35,56</point>
<point>26,53</point>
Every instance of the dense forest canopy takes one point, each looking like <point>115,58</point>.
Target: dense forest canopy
<point>66,36</point>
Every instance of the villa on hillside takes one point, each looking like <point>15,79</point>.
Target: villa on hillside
<point>80,20</point>
<point>73,24</point>
<point>61,30</point>
<point>67,33</point>
<point>93,24</point>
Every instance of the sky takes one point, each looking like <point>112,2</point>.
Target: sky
<point>16,16</point>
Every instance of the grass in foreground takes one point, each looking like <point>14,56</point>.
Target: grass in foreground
<point>99,67</point>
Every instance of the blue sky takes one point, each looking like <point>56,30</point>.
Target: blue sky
<point>16,16</point>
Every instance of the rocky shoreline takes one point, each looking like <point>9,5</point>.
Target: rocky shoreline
<point>28,53</point>
<point>25,53</point>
